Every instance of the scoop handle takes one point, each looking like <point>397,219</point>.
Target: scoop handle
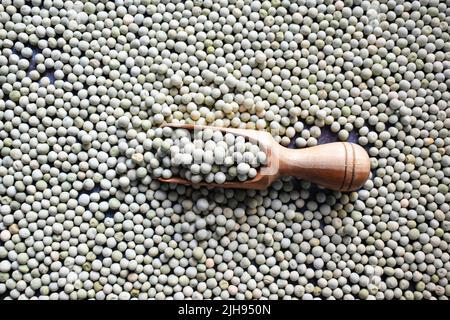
<point>340,166</point>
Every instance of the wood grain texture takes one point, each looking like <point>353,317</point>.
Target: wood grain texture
<point>340,166</point>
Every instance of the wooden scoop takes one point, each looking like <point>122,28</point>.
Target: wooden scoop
<point>340,166</point>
